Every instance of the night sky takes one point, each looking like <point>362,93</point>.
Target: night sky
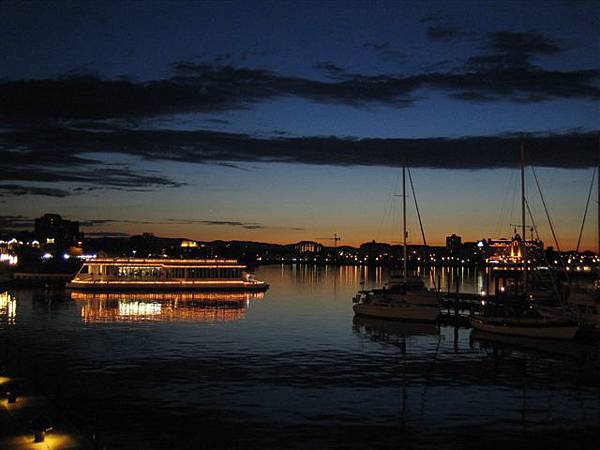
<point>282,121</point>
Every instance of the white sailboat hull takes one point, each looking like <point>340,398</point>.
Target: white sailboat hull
<point>419,297</point>
<point>540,331</point>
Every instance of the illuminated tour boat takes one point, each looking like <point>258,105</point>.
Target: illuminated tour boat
<point>165,274</point>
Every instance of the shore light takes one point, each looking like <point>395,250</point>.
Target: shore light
<point>11,390</point>
<point>40,426</point>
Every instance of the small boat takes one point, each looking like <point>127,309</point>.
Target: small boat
<point>403,298</point>
<point>567,349</point>
<point>165,274</point>
<point>540,327</point>
<point>524,318</point>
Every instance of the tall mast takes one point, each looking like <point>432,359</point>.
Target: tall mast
<point>598,206</point>
<point>404,223</point>
<point>523,226</point>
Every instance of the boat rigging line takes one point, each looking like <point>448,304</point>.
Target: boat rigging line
<point>555,283</point>
<point>550,223</point>
<point>412,188</point>
<point>587,204</point>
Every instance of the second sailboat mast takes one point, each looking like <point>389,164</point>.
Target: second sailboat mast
<point>404,223</point>
<point>523,226</point>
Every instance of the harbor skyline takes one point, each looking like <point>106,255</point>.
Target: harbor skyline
<point>376,213</point>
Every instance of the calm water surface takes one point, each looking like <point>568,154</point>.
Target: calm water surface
<point>294,369</point>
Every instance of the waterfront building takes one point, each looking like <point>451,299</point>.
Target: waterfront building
<point>307,248</point>
<point>53,229</point>
<point>453,244</point>
<point>511,252</point>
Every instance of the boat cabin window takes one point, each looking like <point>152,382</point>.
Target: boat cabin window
<point>135,272</point>
<point>214,273</point>
<point>176,272</point>
<point>152,272</point>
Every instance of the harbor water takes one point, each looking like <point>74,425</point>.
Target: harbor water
<point>294,368</point>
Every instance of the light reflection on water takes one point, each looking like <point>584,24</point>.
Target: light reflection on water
<point>8,308</point>
<point>294,369</point>
<point>163,306</point>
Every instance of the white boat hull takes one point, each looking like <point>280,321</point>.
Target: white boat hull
<point>168,285</point>
<point>398,312</point>
<point>420,298</point>
<point>550,331</point>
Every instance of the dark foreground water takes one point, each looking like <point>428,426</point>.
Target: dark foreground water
<point>294,369</point>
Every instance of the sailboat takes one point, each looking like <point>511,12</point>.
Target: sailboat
<point>402,298</point>
<point>521,317</point>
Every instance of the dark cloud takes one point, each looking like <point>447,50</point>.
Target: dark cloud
<point>101,125</point>
<point>434,17</point>
<point>498,62</point>
<point>99,222</point>
<point>501,50</point>
<point>386,51</point>
<point>114,178</point>
<point>90,223</point>
<point>524,43</point>
<point>44,160</point>
<point>331,69</point>
<point>198,87</point>
<point>218,121</point>
<point>18,190</point>
<point>245,225</point>
<point>379,46</point>
<point>233,166</point>
<point>15,223</point>
<point>228,223</point>
<point>113,234</point>
<point>443,33</point>
<point>508,50</point>
<point>475,97</point>
<point>570,150</point>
